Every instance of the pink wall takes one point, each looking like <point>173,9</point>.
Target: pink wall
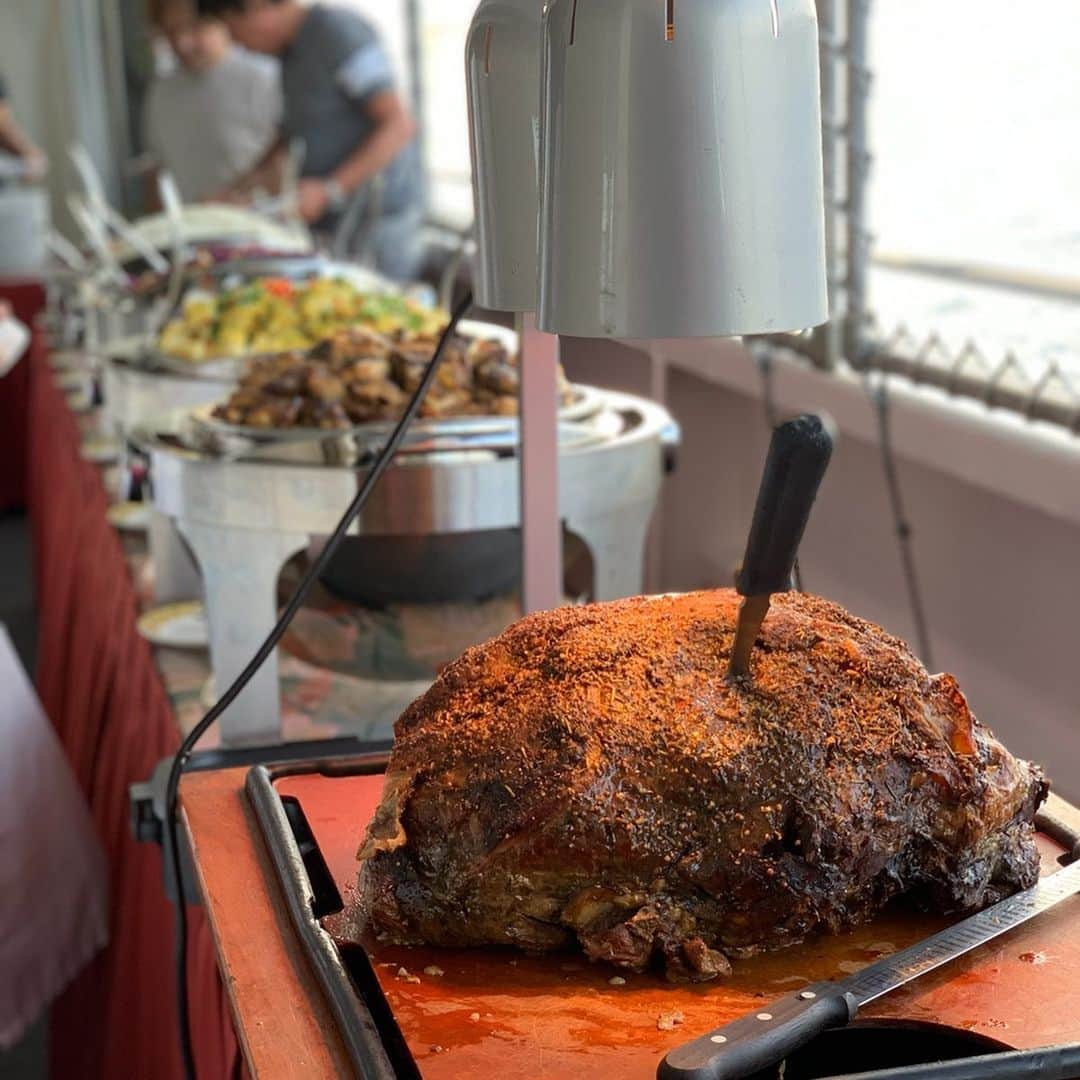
<point>1000,578</point>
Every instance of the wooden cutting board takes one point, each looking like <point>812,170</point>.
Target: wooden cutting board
<point>497,1013</point>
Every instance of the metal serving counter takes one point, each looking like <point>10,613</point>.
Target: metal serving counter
<point>245,516</point>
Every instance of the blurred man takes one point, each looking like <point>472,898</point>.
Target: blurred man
<point>215,117</point>
<point>13,140</point>
<point>340,99</point>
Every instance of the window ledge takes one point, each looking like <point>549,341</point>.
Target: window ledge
<point>1032,463</point>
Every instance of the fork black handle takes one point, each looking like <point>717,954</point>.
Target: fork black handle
<point>798,457</point>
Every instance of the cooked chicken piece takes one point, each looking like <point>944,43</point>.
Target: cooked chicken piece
<point>411,358</point>
<point>370,400</point>
<point>371,370</point>
<point>372,378</point>
<point>494,369</point>
<point>324,385</point>
<point>286,383</point>
<point>263,416</point>
<point>326,415</point>
<point>592,776</point>
<point>485,403</point>
<point>445,403</point>
<point>497,372</point>
<point>358,343</point>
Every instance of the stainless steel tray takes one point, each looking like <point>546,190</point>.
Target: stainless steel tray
<point>138,351</point>
<point>586,402</point>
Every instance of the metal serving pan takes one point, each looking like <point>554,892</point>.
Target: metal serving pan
<point>355,983</point>
<point>137,351</point>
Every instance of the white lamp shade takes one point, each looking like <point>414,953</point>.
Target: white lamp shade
<point>682,190</point>
<point>503,75</point>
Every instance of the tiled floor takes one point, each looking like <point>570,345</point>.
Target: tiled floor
<point>28,1060</point>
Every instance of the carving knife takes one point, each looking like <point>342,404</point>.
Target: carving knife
<point>798,457</point>
<point>767,1036</point>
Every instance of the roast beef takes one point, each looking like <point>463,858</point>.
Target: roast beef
<point>593,777</point>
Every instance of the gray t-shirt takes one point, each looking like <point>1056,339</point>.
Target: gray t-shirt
<point>329,72</point>
<point>209,128</point>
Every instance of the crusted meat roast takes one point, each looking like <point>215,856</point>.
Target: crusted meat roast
<point>592,776</point>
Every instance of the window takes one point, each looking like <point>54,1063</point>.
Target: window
<point>975,173</point>
<point>977,163</point>
<point>443,25</point>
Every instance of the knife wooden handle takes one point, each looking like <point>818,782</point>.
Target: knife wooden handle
<point>760,1040</point>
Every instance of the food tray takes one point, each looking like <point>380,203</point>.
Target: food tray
<point>500,1013</point>
<point>586,401</point>
<point>145,354</point>
<point>137,353</point>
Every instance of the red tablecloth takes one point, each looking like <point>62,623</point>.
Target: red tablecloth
<point>27,297</point>
<point>97,680</point>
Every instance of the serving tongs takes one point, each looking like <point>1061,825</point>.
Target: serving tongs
<point>799,454</point>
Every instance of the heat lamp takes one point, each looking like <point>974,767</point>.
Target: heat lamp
<point>646,169</point>
<point>503,75</point>
<point>649,168</point>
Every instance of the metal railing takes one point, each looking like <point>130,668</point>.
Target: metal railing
<point>965,373</point>
<point>855,333</point>
<point>959,272</point>
<point>969,373</point>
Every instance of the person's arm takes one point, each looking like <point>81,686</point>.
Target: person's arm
<point>265,174</point>
<point>393,128</point>
<point>14,139</point>
<point>151,191</point>
<point>152,151</point>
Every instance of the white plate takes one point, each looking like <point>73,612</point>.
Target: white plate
<point>69,380</point>
<point>14,338</point>
<point>114,480</point>
<point>130,516</point>
<point>181,626</point>
<point>68,360</point>
<point>79,401</point>
<point>100,450</point>
<point>586,402</point>
<point>210,223</point>
<point>221,369</point>
<point>421,428</point>
<point>129,347</point>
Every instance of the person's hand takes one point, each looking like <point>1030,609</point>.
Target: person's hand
<point>229,196</point>
<point>5,310</point>
<point>312,200</point>
<point>37,164</point>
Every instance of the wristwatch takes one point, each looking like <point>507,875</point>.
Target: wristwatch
<point>336,197</point>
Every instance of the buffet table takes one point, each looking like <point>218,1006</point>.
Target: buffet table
<point>27,299</point>
<point>98,682</point>
<point>120,706</point>
<point>553,1019</point>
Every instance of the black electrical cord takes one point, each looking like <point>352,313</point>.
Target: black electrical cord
<point>172,846</point>
<point>879,395</point>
